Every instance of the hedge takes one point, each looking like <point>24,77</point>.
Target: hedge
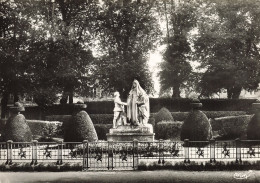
<point>163,115</point>
<point>168,130</point>
<point>173,105</point>
<point>253,127</point>
<point>45,128</point>
<point>177,116</point>
<point>231,127</point>
<point>181,116</point>
<point>102,130</point>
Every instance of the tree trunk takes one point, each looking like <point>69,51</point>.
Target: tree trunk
<point>234,92</point>
<point>176,91</point>
<point>64,99</point>
<point>16,97</point>
<point>4,102</point>
<point>71,97</point>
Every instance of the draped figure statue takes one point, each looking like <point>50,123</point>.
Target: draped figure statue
<point>138,108</point>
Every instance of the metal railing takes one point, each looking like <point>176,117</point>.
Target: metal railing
<point>127,155</point>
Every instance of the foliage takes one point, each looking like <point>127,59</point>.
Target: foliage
<point>176,69</point>
<point>17,129</point>
<point>254,127</point>
<point>168,130</point>
<point>14,37</point>
<point>196,127</point>
<point>45,129</point>
<point>102,118</point>
<point>231,127</point>
<point>102,130</point>
<point>226,46</point>
<point>59,66</point>
<point>80,128</point>
<point>163,115</point>
<point>45,45</point>
<point>128,31</point>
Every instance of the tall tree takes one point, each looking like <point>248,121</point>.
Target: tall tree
<point>61,46</point>
<point>176,69</point>
<point>13,41</point>
<point>127,30</point>
<point>228,46</point>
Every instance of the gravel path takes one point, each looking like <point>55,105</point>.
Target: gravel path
<point>131,176</point>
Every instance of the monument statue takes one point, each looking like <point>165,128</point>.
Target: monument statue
<point>138,108</point>
<point>119,117</point>
<point>138,112</point>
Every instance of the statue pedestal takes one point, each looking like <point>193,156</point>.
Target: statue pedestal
<point>130,133</point>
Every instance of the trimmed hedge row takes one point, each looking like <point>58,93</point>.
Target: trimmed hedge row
<point>181,116</point>
<point>208,104</point>
<point>45,128</point>
<point>102,130</point>
<point>177,116</point>
<point>168,130</point>
<point>231,127</point>
<point>173,105</point>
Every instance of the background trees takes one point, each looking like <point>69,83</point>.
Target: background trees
<point>55,47</point>
<point>228,46</point>
<point>128,30</point>
<point>13,41</point>
<point>176,69</point>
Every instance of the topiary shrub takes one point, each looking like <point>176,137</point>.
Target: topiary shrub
<point>80,128</point>
<point>168,130</point>
<point>163,115</point>
<point>17,129</point>
<point>196,126</point>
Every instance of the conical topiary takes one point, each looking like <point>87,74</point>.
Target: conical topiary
<point>163,115</point>
<point>196,127</point>
<point>253,128</point>
<point>16,128</point>
<point>80,127</point>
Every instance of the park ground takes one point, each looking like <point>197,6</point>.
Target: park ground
<point>132,176</point>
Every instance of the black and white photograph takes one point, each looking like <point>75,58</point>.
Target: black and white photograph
<point>129,91</point>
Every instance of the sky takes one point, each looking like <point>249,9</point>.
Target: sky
<point>155,58</point>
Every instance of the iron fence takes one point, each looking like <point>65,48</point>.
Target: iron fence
<point>104,155</point>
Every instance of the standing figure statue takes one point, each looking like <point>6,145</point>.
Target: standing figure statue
<point>138,108</point>
<point>119,116</point>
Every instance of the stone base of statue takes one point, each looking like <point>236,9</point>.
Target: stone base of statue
<point>130,133</point>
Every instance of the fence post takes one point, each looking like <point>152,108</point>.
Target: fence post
<point>9,152</point>
<point>60,149</point>
<point>238,151</point>
<point>135,154</point>
<point>110,155</point>
<point>212,150</point>
<point>186,151</point>
<point>85,154</point>
<point>34,152</point>
<point>161,155</point>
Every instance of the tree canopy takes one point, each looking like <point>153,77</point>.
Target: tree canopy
<point>176,69</point>
<point>128,30</point>
<point>228,46</point>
